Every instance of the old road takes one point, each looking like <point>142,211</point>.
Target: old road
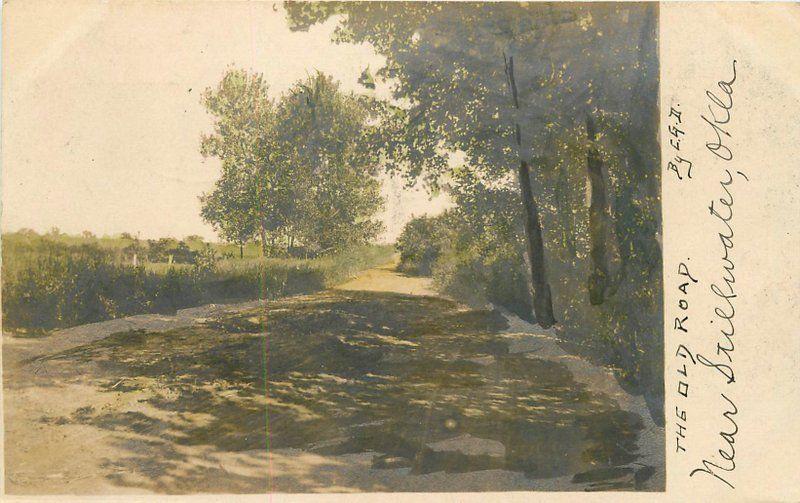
<point>375,385</point>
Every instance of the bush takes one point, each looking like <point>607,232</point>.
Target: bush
<point>420,244</point>
<point>485,273</point>
<point>204,260</point>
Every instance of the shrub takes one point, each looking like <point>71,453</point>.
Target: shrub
<point>483,272</point>
<point>205,260</point>
<point>420,244</point>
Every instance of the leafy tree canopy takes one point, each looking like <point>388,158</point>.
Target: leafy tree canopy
<point>299,169</point>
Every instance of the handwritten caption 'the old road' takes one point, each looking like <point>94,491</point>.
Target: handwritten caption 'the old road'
<point>704,349</point>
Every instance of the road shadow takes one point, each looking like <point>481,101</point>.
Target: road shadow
<point>347,372</point>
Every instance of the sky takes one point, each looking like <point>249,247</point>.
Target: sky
<point>102,115</point>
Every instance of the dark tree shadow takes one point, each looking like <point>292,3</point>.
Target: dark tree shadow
<point>353,372</point>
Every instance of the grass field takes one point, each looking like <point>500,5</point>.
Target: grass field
<point>22,249</point>
<point>53,282</point>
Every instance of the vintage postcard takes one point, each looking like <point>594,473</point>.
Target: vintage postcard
<point>459,251</point>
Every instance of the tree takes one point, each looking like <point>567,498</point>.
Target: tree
<point>248,197</point>
<point>158,250</point>
<point>133,251</point>
<point>182,254</point>
<point>335,191</point>
<point>229,213</point>
<point>301,169</point>
<point>511,85</point>
<point>463,85</point>
<point>27,232</point>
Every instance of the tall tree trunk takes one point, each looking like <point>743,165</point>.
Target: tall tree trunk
<point>263,233</point>
<point>241,250</point>
<point>542,299</point>
<point>540,288</point>
<point>598,219</point>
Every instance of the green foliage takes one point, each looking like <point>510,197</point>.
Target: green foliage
<point>420,244</point>
<point>75,285</point>
<point>247,197</point>
<point>206,259</point>
<point>299,170</point>
<point>336,192</point>
<point>48,284</point>
<point>572,63</point>
<point>157,249</point>
<point>476,248</point>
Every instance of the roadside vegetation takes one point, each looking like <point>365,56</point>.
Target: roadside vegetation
<point>295,203</point>
<point>57,281</point>
<point>553,112</point>
<point>549,152</point>
<point>476,256</point>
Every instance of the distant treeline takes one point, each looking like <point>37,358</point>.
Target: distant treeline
<point>27,244</point>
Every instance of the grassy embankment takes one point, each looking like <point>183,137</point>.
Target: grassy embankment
<point>52,282</point>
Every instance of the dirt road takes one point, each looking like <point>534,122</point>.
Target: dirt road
<point>377,385</point>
